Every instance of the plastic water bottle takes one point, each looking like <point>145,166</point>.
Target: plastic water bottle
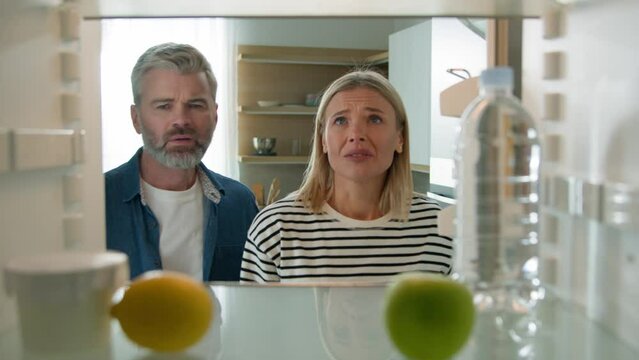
<point>497,165</point>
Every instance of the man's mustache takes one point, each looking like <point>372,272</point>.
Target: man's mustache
<point>179,131</point>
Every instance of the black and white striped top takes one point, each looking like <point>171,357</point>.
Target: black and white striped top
<point>288,243</point>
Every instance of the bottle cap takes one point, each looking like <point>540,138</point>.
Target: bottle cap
<point>501,77</point>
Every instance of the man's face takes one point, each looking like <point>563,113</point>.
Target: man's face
<point>176,117</point>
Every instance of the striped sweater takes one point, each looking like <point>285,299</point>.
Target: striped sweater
<point>289,243</point>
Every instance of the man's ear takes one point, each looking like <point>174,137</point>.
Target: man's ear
<point>135,118</point>
<point>215,113</point>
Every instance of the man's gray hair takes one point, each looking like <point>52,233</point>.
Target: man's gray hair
<point>182,58</point>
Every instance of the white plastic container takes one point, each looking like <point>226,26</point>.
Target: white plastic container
<point>64,299</point>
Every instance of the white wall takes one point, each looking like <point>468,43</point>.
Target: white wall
<point>419,58</point>
<point>454,46</point>
<point>409,70</point>
<point>335,33</point>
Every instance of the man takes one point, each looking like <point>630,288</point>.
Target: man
<point>164,208</point>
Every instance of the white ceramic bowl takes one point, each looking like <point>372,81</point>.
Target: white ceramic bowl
<point>264,145</point>
<point>267,103</point>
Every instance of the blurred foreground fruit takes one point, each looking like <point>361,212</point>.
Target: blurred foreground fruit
<point>165,311</point>
<point>428,317</point>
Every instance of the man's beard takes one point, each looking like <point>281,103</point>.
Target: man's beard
<point>179,158</point>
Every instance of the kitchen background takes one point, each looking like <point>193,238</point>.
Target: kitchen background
<point>579,78</point>
<point>417,68</point>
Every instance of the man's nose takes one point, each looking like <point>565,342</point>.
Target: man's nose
<point>181,116</point>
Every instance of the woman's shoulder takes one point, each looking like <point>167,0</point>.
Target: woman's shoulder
<point>420,199</point>
<point>290,205</point>
<point>288,211</point>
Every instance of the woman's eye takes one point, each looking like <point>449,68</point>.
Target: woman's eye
<point>375,119</point>
<point>339,120</point>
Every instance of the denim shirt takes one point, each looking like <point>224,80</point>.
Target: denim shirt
<point>229,209</point>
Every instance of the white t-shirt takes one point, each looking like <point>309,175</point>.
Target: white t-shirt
<point>180,217</point>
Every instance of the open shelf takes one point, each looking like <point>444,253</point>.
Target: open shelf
<point>377,59</point>
<point>310,56</point>
<point>261,159</point>
<point>279,110</point>
<point>289,76</point>
<point>420,168</point>
<point>300,60</point>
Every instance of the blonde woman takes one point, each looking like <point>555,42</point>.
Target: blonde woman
<point>355,216</point>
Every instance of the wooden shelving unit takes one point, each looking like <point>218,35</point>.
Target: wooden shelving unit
<point>309,56</point>
<point>378,59</point>
<point>286,75</point>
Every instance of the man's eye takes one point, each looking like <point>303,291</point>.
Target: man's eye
<point>197,105</point>
<point>162,106</point>
<point>339,120</point>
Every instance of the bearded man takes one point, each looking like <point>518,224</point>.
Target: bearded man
<point>164,208</point>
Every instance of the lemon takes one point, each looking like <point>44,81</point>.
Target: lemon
<point>428,316</point>
<point>164,311</point>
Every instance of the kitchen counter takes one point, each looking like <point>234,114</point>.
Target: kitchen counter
<point>305,322</point>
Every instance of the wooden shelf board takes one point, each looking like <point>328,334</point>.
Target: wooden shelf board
<point>377,59</point>
<point>310,56</point>
<point>279,110</point>
<point>420,168</point>
<point>302,60</point>
<point>286,159</point>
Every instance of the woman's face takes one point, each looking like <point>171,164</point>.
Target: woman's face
<point>361,135</point>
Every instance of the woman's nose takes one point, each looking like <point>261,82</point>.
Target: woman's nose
<point>357,132</point>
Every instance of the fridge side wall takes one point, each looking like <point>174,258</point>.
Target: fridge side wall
<point>51,195</point>
<point>586,81</point>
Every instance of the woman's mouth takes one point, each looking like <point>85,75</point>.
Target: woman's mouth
<point>359,154</point>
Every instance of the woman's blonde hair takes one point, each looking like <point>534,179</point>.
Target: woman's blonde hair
<point>317,186</point>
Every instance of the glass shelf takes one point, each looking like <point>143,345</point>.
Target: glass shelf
<point>345,322</point>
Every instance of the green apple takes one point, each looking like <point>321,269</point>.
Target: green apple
<point>428,317</point>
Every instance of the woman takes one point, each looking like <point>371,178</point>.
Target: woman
<point>355,217</point>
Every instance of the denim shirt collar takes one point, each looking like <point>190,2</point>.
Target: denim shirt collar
<point>211,188</point>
